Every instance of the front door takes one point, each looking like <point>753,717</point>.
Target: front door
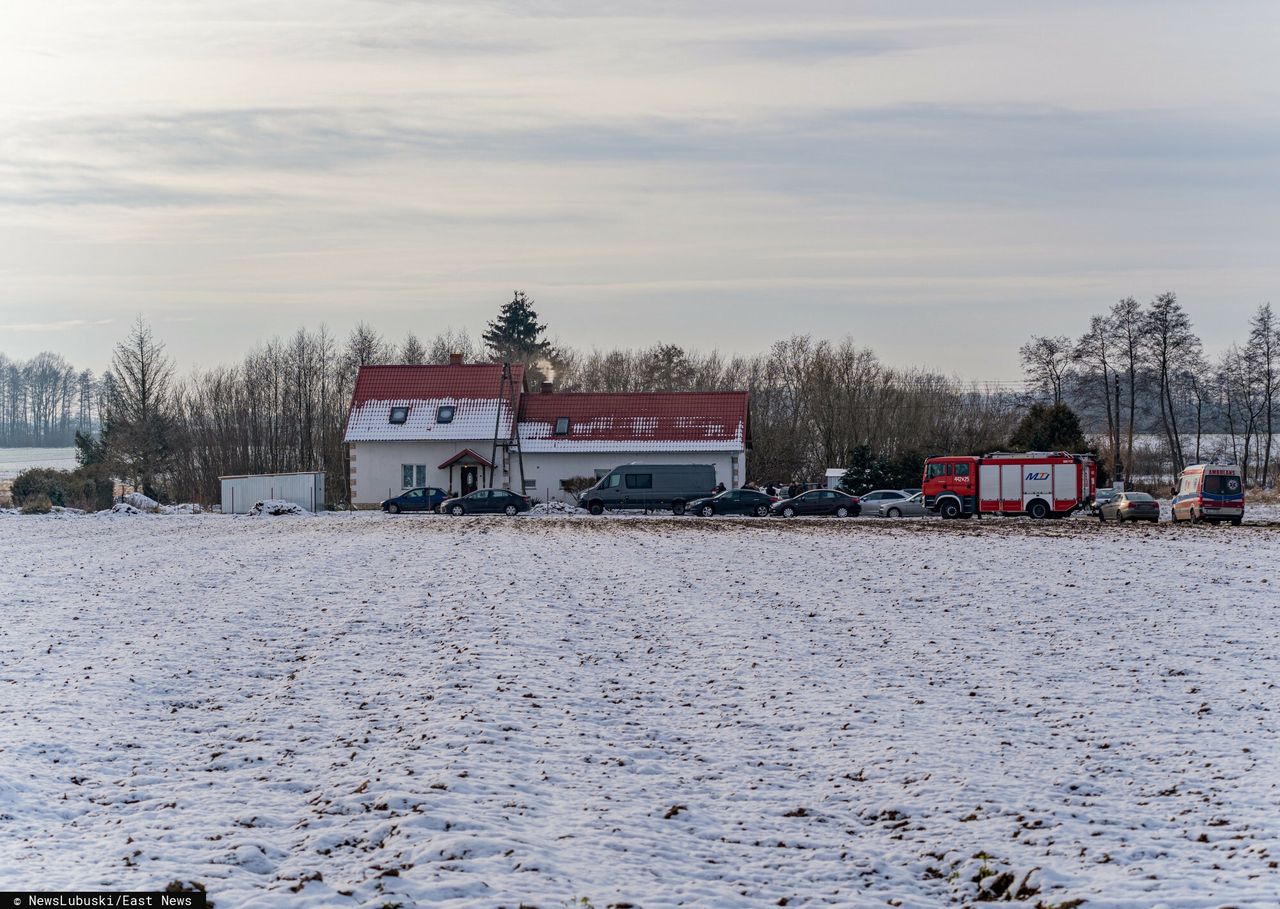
<point>469,481</point>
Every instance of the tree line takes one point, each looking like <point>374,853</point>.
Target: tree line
<point>1140,370</point>
<point>815,403</point>
<point>45,401</point>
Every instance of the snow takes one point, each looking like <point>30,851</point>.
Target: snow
<point>358,711</point>
<point>556,508</point>
<point>274,507</point>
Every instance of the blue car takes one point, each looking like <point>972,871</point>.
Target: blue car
<point>422,498</point>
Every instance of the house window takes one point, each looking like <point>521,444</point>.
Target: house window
<point>398,415</point>
<point>562,426</point>
<point>445,414</point>
<point>413,475</point>
<point>639,481</point>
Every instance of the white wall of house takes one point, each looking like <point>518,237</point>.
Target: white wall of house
<point>376,466</point>
<point>546,469</point>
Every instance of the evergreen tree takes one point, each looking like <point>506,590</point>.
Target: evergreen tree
<point>138,422</point>
<point>516,335</point>
<point>1048,427</point>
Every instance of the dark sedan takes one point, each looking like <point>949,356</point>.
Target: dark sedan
<point>423,498</point>
<point>733,501</point>
<point>819,502</point>
<point>1130,506</point>
<point>487,501</point>
<point>1102,497</point>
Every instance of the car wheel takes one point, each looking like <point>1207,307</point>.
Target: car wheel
<point>510,511</point>
<point>1236,522</point>
<point>762,511</point>
<point>894,513</point>
<point>1195,518</point>
<point>393,508</point>
<point>677,507</point>
<point>1038,510</point>
<point>706,511</point>
<point>457,511</point>
<point>788,512</point>
<point>842,512</point>
<point>596,508</point>
<point>1102,518</point>
<point>949,509</point>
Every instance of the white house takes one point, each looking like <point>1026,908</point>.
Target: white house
<point>459,427</point>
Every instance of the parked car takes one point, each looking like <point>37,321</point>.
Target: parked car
<point>734,501</point>
<point>874,499</point>
<point>422,498</point>
<point>914,490</point>
<point>910,507</point>
<point>819,502</point>
<point>1130,506</point>
<point>1102,497</point>
<point>487,501</point>
<point>650,486</point>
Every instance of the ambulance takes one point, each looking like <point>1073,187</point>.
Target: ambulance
<point>1209,492</point>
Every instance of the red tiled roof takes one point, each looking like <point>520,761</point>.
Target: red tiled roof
<point>467,381</point>
<point>471,391</point>
<point>680,420</point>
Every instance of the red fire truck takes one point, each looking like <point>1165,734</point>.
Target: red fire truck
<point>1040,484</point>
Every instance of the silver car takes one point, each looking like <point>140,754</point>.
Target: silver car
<point>912,507</point>
<point>874,499</point>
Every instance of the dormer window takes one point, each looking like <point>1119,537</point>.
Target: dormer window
<point>562,426</point>
<point>398,415</point>
<point>445,414</point>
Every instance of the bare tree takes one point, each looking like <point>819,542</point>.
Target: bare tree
<point>1046,362</point>
<point>1264,340</point>
<point>1126,321</point>
<point>1175,352</point>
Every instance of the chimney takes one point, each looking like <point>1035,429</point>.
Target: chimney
<point>546,388</point>
<point>455,359</point>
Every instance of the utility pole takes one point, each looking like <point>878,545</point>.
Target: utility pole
<point>1115,447</point>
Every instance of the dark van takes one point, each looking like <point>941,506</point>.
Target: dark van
<point>650,487</point>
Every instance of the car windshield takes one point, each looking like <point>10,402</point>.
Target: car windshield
<point>1138,497</point>
<point>914,498</point>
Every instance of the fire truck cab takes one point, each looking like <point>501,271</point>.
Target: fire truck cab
<point>1039,484</point>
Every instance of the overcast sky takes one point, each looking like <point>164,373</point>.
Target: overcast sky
<point>936,179</point>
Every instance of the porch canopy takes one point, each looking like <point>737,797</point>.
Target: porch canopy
<point>468,458</point>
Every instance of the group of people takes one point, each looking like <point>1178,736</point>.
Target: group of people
<point>790,491</point>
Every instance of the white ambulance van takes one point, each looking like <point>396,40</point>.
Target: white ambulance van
<point>1209,492</point>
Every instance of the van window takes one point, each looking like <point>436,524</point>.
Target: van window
<point>1188,485</point>
<point>613,482</point>
<point>1220,485</point>
<point>639,481</point>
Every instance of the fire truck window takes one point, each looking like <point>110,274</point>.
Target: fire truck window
<point>962,470</point>
<point>936,470</point>
<point>948,470</point>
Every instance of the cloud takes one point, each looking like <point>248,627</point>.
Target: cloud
<point>64,325</point>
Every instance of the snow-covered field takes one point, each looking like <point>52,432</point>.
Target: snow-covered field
<point>360,710</point>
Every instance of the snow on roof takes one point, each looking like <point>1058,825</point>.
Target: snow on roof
<point>472,390</point>
<point>638,421</point>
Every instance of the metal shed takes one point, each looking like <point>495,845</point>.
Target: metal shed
<point>240,493</point>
